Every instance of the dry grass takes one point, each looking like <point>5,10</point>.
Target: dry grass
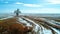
<point>10,26</point>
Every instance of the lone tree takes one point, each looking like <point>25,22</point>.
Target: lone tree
<point>17,12</point>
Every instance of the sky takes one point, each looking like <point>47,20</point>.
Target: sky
<point>30,6</point>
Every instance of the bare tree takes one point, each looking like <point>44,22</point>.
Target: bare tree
<point>17,12</point>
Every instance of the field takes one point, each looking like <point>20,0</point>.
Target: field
<point>53,18</point>
<point>18,25</point>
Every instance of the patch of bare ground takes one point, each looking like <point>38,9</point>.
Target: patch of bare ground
<point>10,26</point>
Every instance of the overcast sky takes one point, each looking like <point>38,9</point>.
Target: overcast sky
<point>30,6</point>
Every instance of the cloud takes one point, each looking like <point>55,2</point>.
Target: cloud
<point>53,1</point>
<point>18,3</point>
<point>42,10</point>
<point>50,10</point>
<point>32,5</point>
